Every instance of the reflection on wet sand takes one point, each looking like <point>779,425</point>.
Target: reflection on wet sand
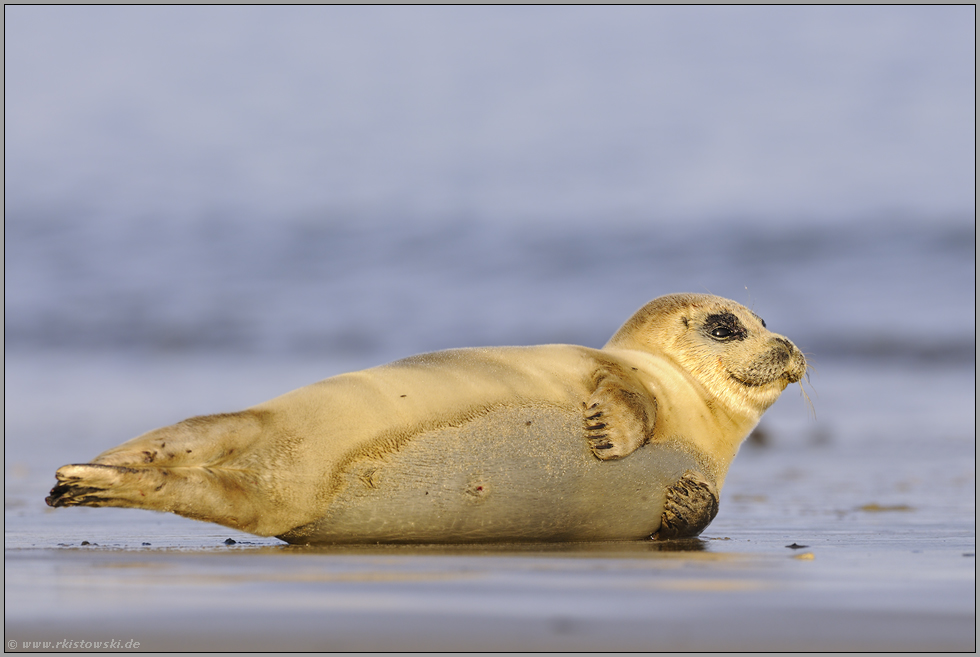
<point>612,549</point>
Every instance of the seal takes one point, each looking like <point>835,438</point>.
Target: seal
<point>543,443</point>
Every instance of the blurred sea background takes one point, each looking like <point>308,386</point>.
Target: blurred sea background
<point>208,206</point>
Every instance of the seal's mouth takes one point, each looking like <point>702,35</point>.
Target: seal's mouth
<point>797,375</point>
<point>757,384</point>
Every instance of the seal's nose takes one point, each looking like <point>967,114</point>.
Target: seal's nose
<point>791,357</point>
<point>795,361</point>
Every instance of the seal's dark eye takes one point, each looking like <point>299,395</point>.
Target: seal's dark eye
<point>721,333</point>
<point>724,327</point>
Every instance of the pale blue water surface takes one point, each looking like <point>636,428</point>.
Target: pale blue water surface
<point>206,208</point>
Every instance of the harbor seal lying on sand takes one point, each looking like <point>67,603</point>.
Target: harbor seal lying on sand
<point>546,443</point>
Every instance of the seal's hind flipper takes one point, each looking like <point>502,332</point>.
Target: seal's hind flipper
<point>90,484</point>
<point>215,494</point>
<point>619,416</point>
<point>690,506</point>
<point>203,468</point>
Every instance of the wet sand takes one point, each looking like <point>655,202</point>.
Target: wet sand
<point>739,594</point>
<point>881,509</point>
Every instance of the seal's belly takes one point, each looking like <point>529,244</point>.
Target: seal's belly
<point>513,474</point>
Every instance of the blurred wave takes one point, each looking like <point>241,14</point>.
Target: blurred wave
<point>384,288</point>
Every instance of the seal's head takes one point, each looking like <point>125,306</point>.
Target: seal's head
<point>722,344</point>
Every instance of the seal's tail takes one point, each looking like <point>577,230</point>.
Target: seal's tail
<point>199,468</point>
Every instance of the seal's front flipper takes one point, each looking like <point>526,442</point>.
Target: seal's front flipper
<point>690,506</point>
<point>619,417</point>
